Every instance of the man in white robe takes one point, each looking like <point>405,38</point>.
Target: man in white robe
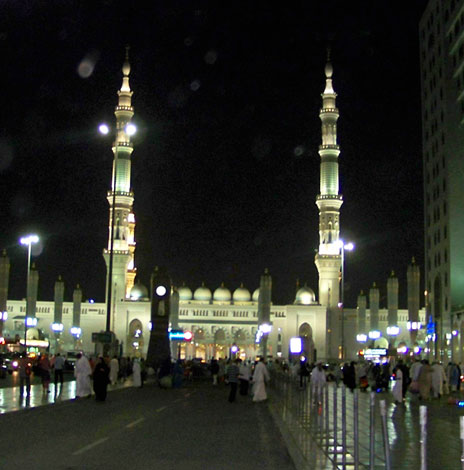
<point>260,377</point>
<point>438,378</point>
<point>136,374</point>
<point>114,370</point>
<point>318,381</point>
<point>82,372</point>
<point>398,386</point>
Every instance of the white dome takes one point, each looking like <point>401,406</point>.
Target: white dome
<point>241,294</point>
<point>256,295</point>
<point>138,291</point>
<point>305,296</point>
<point>184,293</point>
<point>222,294</point>
<point>202,293</point>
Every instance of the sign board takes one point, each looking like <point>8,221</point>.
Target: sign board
<point>180,335</point>
<point>375,352</point>
<point>104,337</point>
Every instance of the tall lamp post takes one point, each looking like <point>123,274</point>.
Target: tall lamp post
<point>28,241</point>
<point>349,247</point>
<point>130,131</point>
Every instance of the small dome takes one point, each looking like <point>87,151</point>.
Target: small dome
<point>138,291</point>
<point>222,294</point>
<point>305,296</point>
<point>202,293</point>
<point>184,293</point>
<point>256,295</point>
<point>241,294</point>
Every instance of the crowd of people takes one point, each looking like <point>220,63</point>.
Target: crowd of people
<point>101,371</point>
<point>418,377</point>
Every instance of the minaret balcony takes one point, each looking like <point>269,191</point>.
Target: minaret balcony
<point>125,108</point>
<point>328,110</point>
<point>338,197</point>
<point>125,144</point>
<point>329,147</point>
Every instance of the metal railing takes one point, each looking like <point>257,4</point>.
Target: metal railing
<point>349,436</point>
<point>334,427</point>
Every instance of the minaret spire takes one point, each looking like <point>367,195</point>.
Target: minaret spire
<point>121,196</point>
<point>329,201</point>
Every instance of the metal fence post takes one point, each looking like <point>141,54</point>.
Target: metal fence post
<point>344,428</point>
<point>327,410</point>
<point>356,430</point>
<point>386,442</point>
<point>423,436</point>
<point>335,443</point>
<point>461,422</point>
<point>372,432</point>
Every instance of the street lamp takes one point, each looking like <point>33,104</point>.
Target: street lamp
<point>349,247</point>
<point>104,129</point>
<point>28,241</point>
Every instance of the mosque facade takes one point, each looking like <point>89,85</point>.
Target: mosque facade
<point>221,320</point>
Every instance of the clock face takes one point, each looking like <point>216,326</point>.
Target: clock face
<point>160,291</point>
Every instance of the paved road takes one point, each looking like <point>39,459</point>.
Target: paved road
<point>194,427</point>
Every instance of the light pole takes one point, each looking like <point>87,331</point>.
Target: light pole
<point>28,241</point>
<point>104,129</point>
<point>349,247</point>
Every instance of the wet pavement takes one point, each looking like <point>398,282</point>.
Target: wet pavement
<point>10,399</point>
<point>312,447</point>
<point>298,424</point>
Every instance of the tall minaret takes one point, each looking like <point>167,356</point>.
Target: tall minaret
<point>124,224</point>
<point>329,201</point>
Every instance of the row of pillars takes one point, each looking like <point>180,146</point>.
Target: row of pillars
<point>31,296</point>
<point>413,280</point>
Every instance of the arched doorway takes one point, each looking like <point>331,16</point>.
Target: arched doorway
<point>305,332</point>
<point>220,346</point>
<point>135,337</point>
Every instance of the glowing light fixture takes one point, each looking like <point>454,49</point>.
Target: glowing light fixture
<point>375,334</point>
<point>296,345</point>
<point>57,327</point>
<point>393,330</point>
<point>361,338</point>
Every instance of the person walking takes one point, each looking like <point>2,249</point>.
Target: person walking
<point>398,386</point>
<point>425,380</point>
<point>349,376</point>
<point>454,376</point>
<point>143,372</point>
<point>244,377</point>
<point>260,377</point>
<point>101,379</point>
<point>136,374</point>
<point>82,372</point>
<point>25,369</point>
<point>318,381</point>
<point>58,367</point>
<point>44,366</point>
<point>438,379</point>
<point>114,370</point>
<point>214,370</point>
<point>232,373</point>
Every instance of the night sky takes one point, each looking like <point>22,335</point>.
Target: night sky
<point>225,168</point>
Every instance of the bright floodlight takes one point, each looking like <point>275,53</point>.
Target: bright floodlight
<point>29,240</point>
<point>103,129</point>
<point>160,291</point>
<point>349,246</point>
<point>131,129</point>
<point>265,328</point>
